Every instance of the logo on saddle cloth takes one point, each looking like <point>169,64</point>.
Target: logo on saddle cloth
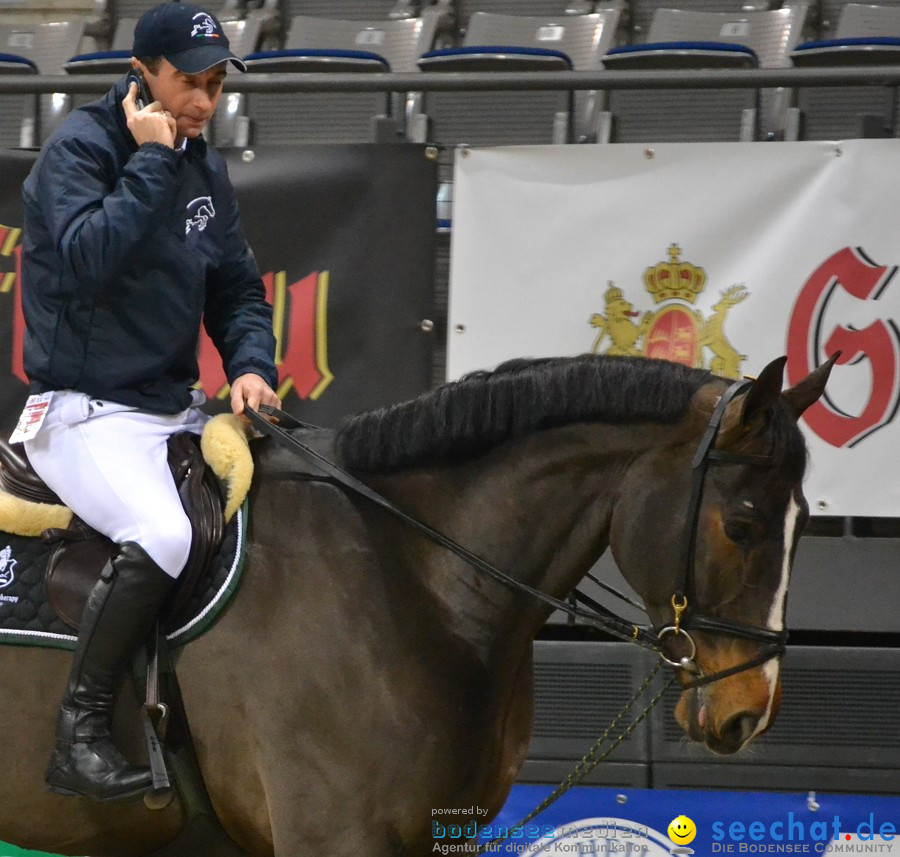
<point>676,331</point>
<point>7,564</point>
<point>28,615</point>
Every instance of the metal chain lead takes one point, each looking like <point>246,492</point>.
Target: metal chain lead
<point>591,759</point>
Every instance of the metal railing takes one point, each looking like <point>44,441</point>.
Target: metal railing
<point>492,81</point>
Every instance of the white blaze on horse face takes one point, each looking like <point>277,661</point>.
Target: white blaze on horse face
<point>776,613</point>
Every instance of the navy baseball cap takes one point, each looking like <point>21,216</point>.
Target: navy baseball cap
<point>187,36</point>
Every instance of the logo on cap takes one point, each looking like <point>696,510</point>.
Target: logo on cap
<point>204,26</point>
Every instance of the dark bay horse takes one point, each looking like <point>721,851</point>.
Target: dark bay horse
<point>364,677</point>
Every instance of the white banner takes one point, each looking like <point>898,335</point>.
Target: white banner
<point>721,255</point>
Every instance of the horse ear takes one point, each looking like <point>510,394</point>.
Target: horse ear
<point>765,391</point>
<point>802,395</point>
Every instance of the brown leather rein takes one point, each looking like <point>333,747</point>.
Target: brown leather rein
<point>685,618</point>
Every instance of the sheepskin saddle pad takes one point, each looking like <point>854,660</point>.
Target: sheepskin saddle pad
<point>50,559</point>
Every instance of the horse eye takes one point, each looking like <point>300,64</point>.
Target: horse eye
<point>740,532</point>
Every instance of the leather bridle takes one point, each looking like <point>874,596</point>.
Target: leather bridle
<point>685,617</point>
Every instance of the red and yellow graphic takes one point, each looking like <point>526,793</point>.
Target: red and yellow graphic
<point>851,272</point>
<point>10,248</point>
<point>673,336</point>
<point>301,349</point>
<point>10,276</point>
<point>300,323</point>
<point>676,331</point>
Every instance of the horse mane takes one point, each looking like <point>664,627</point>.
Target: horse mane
<point>467,417</point>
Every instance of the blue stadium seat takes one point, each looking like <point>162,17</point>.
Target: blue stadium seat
<point>681,55</point>
<point>866,35</point>
<point>14,64</point>
<point>864,50</point>
<point>684,39</point>
<point>517,43</point>
<point>338,45</point>
<point>35,48</point>
<point>100,62</point>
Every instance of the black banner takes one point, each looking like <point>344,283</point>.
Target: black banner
<point>14,167</point>
<point>345,239</point>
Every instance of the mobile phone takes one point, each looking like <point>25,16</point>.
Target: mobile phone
<point>143,97</point>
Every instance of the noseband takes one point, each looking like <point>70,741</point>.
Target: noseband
<point>685,617</point>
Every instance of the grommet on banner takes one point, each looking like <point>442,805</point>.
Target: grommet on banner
<point>426,325</point>
<point>463,151</point>
<point>649,154</point>
<point>248,155</point>
<point>460,328</point>
<point>431,152</point>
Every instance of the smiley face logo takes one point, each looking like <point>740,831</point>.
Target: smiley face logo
<point>682,830</point>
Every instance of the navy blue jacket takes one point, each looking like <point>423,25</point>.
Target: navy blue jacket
<point>126,249</point>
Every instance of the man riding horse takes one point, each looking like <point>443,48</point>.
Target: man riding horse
<point>115,286</point>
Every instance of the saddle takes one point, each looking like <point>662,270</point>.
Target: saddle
<point>81,552</point>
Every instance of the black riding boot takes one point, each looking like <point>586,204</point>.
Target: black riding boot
<point>118,616</point>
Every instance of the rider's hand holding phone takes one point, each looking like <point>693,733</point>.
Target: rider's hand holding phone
<point>145,117</point>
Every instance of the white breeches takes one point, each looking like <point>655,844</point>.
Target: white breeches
<point>108,463</point>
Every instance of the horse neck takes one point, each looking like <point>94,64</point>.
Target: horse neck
<point>538,508</point>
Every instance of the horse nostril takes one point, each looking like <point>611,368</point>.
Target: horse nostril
<point>737,730</point>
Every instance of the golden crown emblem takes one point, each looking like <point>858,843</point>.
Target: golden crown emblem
<point>674,279</point>
<point>613,293</point>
